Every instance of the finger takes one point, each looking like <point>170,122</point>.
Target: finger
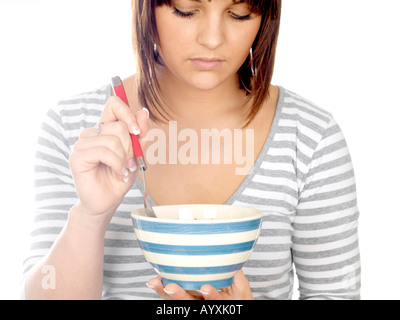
<point>142,117</point>
<point>241,282</point>
<point>111,142</point>
<point>86,133</point>
<point>242,286</point>
<point>210,293</point>
<point>120,144</point>
<point>120,130</point>
<point>171,291</point>
<point>93,156</point>
<point>158,287</point>
<point>117,110</point>
<point>176,292</point>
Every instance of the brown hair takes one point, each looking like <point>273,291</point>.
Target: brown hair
<point>264,48</point>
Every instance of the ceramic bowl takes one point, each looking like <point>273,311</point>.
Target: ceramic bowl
<point>192,245</point>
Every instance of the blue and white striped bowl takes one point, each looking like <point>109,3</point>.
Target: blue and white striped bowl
<point>192,245</point>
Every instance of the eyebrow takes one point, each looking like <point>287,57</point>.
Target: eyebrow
<point>234,2</point>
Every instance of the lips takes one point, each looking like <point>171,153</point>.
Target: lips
<point>206,63</point>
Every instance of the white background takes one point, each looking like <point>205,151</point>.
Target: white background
<point>341,54</point>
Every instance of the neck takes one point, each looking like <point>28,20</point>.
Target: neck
<point>224,105</point>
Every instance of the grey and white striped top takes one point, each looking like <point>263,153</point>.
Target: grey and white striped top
<point>303,181</point>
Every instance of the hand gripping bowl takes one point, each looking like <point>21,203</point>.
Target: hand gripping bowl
<point>192,245</point>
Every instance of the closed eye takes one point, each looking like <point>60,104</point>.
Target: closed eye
<point>241,18</point>
<point>182,14</point>
<point>190,14</point>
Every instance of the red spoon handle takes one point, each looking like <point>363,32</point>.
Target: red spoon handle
<point>119,91</point>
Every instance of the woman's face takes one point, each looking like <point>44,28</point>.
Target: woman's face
<point>204,43</point>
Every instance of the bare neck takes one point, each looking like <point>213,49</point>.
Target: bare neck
<point>224,105</point>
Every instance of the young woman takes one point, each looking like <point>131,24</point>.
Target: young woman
<point>202,65</point>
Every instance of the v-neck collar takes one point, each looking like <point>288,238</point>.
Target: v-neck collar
<point>264,151</point>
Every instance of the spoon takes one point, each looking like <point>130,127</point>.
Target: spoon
<point>119,91</point>
<point>147,206</point>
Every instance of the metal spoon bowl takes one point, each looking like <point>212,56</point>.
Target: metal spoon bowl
<point>148,209</point>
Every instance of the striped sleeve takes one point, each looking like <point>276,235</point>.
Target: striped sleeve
<point>54,189</point>
<point>54,192</point>
<point>325,241</point>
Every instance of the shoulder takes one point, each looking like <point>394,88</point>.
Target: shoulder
<point>84,102</point>
<point>70,116</point>
<point>86,106</point>
<point>313,132</point>
<point>296,107</point>
<point>309,121</point>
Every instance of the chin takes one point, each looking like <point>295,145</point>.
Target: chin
<point>205,82</point>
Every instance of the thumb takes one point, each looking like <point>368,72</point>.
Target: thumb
<point>142,117</point>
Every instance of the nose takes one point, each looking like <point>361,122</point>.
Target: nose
<point>211,31</point>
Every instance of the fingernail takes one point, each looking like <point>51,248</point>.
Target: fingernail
<point>135,129</point>
<point>170,293</point>
<point>203,293</point>
<point>147,110</point>
<point>132,165</point>
<point>149,286</point>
